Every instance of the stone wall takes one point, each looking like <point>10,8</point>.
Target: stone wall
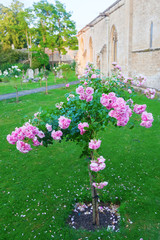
<point>146,42</point>
<point>148,64</point>
<point>135,24</point>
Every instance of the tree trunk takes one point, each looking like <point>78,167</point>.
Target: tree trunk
<point>60,57</point>
<point>94,198</point>
<point>17,100</point>
<point>52,59</point>
<point>46,86</point>
<point>27,43</point>
<point>31,51</point>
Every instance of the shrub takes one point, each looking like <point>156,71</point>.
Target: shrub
<point>73,65</point>
<point>93,106</point>
<point>40,59</point>
<point>10,57</point>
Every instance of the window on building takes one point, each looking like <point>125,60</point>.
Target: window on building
<point>151,35</point>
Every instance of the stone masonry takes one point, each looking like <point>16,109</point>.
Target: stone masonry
<point>127,32</point>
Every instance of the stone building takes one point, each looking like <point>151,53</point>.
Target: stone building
<point>55,58</point>
<point>127,32</point>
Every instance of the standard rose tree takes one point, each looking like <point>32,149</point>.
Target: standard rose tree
<point>85,112</point>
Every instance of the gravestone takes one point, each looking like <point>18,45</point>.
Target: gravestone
<point>25,80</point>
<point>36,71</point>
<point>30,74</point>
<point>59,74</point>
<point>27,73</point>
<point>35,80</point>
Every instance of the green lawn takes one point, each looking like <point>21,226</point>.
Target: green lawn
<point>38,189</point>
<point>9,87</point>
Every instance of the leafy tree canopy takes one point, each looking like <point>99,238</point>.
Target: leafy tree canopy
<point>44,25</point>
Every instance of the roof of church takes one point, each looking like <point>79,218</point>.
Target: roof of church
<point>100,16</point>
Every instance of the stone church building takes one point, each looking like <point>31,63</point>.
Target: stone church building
<point>128,32</point>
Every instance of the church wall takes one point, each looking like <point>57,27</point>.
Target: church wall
<point>119,18</point>
<point>132,20</point>
<point>148,64</point>
<point>146,58</point>
<point>145,12</point>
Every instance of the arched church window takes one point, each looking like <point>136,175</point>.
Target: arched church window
<point>151,35</point>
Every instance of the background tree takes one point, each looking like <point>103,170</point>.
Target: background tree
<point>65,30</point>
<point>45,25</point>
<point>45,19</point>
<point>10,25</point>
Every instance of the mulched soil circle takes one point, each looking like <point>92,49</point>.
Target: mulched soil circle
<point>81,217</point>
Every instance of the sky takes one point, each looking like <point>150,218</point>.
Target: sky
<point>83,11</point>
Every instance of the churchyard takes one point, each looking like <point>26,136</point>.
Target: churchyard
<point>31,80</point>
<point>39,189</point>
<point>80,162</point>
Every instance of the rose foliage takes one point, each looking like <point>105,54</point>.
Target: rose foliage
<point>90,109</point>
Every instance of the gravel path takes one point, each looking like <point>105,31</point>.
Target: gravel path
<point>36,90</point>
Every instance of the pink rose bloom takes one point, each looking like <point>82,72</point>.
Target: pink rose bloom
<point>98,165</point>
<point>59,105</point>
<point>36,142</point>
<point>102,166</point>
<point>101,159</point>
<point>85,83</point>
<point>82,96</point>
<point>139,109</point>
<point>117,67</point>
<point>121,112</point>
<point>114,63</point>
<point>23,147</point>
<point>41,134</point>
<point>81,127</point>
<point>70,96</point>
<point>108,100</point>
<point>36,114</point>
<point>89,90</point>
<point>147,119</point>
<point>94,144</point>
<point>80,90</point>
<point>64,122</point>
<point>122,122</point>
<point>146,124</point>
<point>89,98</point>
<point>93,76</point>
<point>12,139</point>
<point>56,135</point>
<point>94,167</point>
<point>100,185</point>
<point>67,85</point>
<point>49,127</point>
<point>125,81</point>
<point>130,91</point>
<point>130,101</point>
<point>150,93</point>
<point>147,116</point>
